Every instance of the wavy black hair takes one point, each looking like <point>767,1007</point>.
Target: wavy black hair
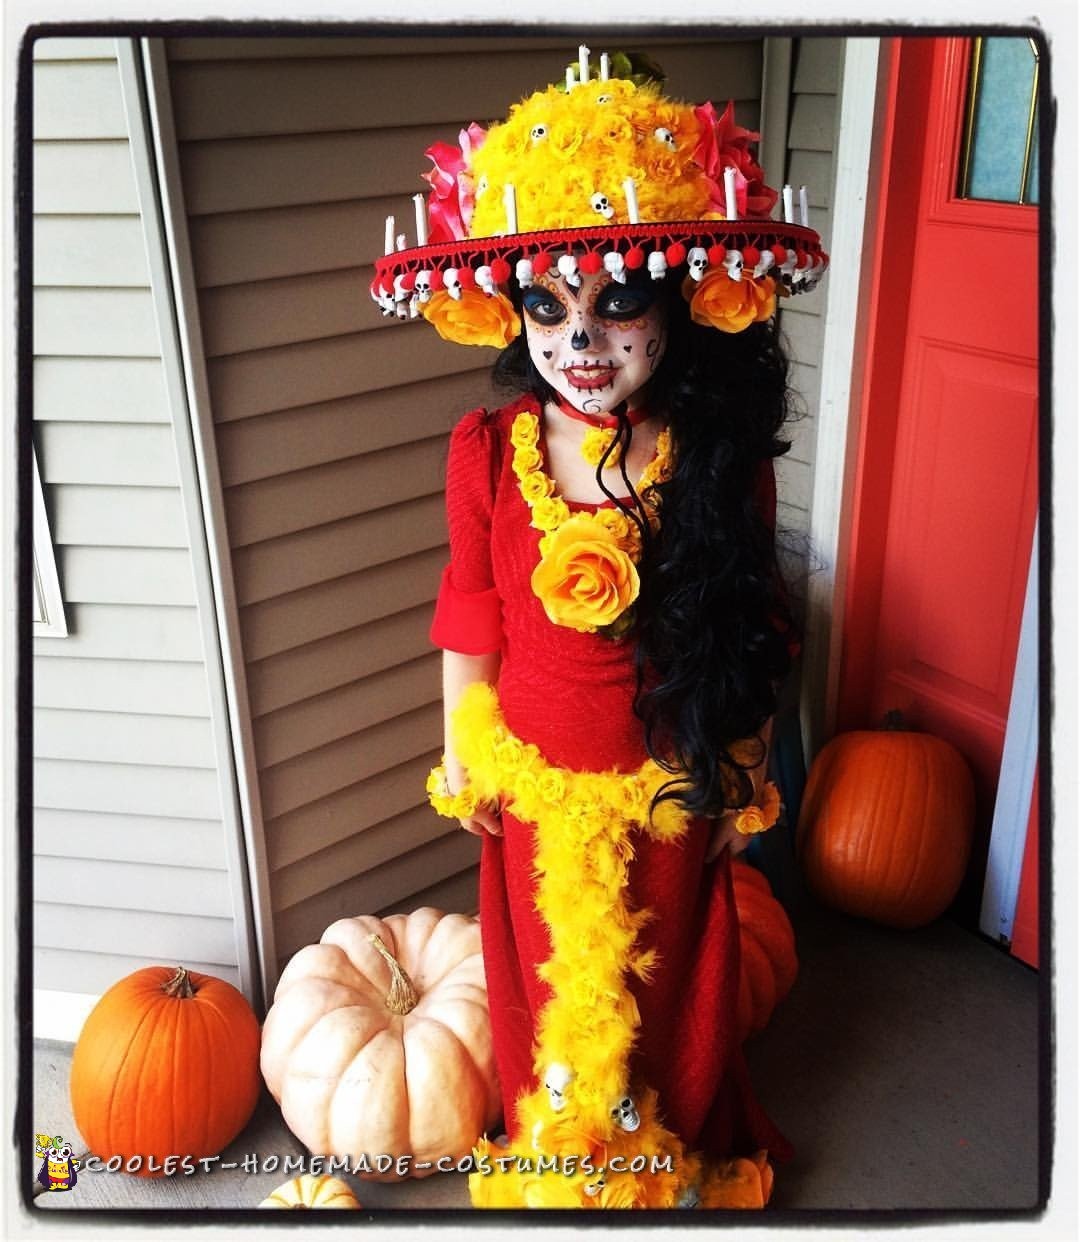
<point>712,619</point>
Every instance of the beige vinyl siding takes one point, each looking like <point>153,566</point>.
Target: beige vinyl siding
<point>331,424</point>
<point>130,864</point>
<point>815,111</point>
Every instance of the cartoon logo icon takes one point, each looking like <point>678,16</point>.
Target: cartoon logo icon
<point>57,1170</point>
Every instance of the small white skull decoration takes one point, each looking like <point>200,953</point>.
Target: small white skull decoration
<point>625,1114</point>
<point>386,302</point>
<point>697,261</point>
<point>733,264</point>
<point>657,263</point>
<point>689,1198</point>
<point>538,132</point>
<point>401,297</point>
<point>423,285</point>
<point>593,1188</point>
<point>557,1079</point>
<point>601,204</point>
<point>787,267</point>
<point>485,279</point>
<point>665,136</point>
<point>615,266</point>
<point>523,270</point>
<point>764,263</point>
<point>452,284</point>
<point>568,269</point>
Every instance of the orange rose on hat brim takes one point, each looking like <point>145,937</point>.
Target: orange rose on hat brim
<point>475,318</point>
<point>585,580</point>
<point>732,305</point>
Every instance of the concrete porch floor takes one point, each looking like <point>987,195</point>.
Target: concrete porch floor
<point>903,1067</point>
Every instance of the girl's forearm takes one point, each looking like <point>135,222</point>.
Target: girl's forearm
<point>460,671</point>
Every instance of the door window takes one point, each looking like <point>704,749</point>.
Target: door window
<point>999,157</point>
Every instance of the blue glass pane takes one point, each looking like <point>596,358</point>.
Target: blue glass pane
<point>1001,119</point>
<point>1032,195</point>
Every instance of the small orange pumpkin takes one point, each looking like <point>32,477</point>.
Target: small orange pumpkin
<point>767,949</point>
<point>167,1064</point>
<point>886,825</point>
<point>312,1191</point>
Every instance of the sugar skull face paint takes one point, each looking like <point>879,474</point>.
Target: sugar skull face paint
<point>598,343</point>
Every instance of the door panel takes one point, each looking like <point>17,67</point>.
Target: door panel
<point>947,491</point>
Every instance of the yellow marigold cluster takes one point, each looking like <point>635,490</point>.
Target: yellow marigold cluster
<point>558,149</point>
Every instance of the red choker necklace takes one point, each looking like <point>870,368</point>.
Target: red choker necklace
<point>602,420</point>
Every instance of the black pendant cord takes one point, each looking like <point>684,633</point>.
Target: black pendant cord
<point>622,438</point>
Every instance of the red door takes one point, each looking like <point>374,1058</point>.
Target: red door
<point>947,480</point>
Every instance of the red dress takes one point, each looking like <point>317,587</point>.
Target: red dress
<point>571,694</point>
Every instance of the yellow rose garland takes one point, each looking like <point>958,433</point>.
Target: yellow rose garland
<point>587,576</point>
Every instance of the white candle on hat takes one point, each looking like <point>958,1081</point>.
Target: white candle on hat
<point>630,190</point>
<point>388,243</point>
<point>804,207</point>
<point>510,202</point>
<point>583,63</point>
<point>605,66</point>
<point>731,206</point>
<point>402,241</point>
<point>570,80</point>
<point>421,219</point>
<point>789,210</point>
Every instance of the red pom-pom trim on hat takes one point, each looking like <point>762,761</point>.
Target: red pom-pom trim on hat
<point>436,279</point>
<point>635,258</point>
<point>717,254</point>
<point>590,263</point>
<point>751,256</point>
<point>802,259</point>
<point>408,281</point>
<point>500,271</point>
<point>779,253</point>
<point>542,263</point>
<point>675,254</point>
<point>466,277</point>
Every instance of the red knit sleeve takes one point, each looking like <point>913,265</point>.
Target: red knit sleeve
<point>468,614</point>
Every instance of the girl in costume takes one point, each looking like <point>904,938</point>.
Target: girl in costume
<point>613,623</point>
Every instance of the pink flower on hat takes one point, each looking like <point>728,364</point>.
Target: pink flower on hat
<point>723,143</point>
<point>450,204</point>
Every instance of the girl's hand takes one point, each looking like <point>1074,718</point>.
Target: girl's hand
<point>725,836</point>
<point>484,819</point>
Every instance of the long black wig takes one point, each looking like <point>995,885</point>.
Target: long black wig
<point>712,620</point>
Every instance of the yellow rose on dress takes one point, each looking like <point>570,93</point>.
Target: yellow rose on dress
<point>732,305</point>
<point>757,817</point>
<point>475,318</point>
<point>526,460</point>
<point>585,579</point>
<point>525,431</point>
<point>549,513</point>
<point>536,486</point>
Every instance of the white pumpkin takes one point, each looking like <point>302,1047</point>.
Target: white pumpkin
<point>379,1042</point>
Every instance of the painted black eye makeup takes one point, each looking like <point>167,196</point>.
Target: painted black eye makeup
<point>543,307</point>
<point>617,301</point>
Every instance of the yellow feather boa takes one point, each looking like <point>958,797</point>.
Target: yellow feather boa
<point>584,823</point>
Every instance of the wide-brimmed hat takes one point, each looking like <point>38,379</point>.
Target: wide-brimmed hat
<point>602,172</point>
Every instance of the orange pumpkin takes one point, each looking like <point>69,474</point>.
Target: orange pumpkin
<point>886,825</point>
<point>312,1191</point>
<point>379,1041</point>
<point>767,949</point>
<point>167,1064</point>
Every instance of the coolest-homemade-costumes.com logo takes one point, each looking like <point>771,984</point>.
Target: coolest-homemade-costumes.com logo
<point>58,1166</point>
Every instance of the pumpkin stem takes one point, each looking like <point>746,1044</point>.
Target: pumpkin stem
<point>179,985</point>
<point>402,997</point>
